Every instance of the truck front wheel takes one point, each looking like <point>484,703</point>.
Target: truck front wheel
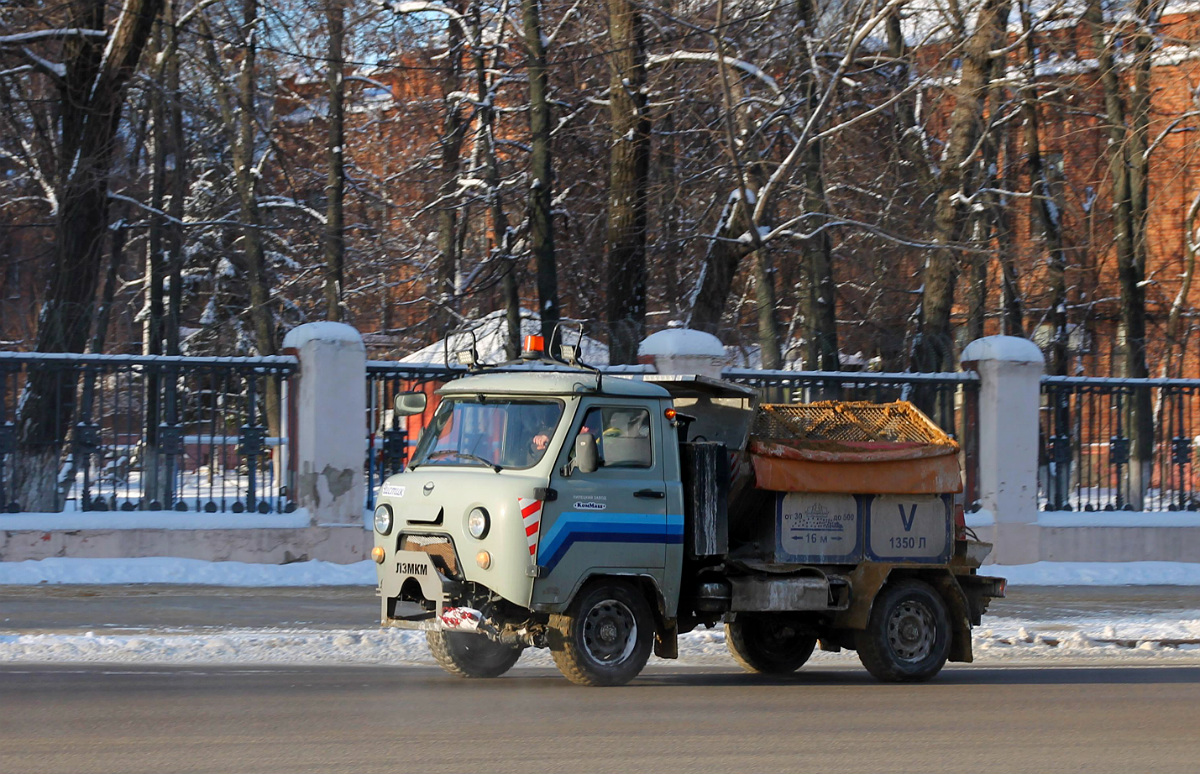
<point>605,636</point>
<point>471,655</point>
<point>768,643</point>
<point>908,635</point>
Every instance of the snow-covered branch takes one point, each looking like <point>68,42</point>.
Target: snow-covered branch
<point>282,202</point>
<point>24,38</point>
<point>709,57</point>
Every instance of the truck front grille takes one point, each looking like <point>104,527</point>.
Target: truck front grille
<point>439,548</point>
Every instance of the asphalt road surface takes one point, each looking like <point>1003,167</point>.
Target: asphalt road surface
<point>372,719</point>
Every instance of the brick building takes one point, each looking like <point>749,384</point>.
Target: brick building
<point>1074,142</point>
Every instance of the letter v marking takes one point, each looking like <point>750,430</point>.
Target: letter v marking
<point>908,520</point>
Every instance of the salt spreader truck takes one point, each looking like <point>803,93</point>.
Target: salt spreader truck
<point>553,506</point>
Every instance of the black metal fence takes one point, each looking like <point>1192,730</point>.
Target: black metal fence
<point>144,433</point>
<point>951,400</point>
<point>390,438</point>
<point>1118,444</point>
<point>211,434</point>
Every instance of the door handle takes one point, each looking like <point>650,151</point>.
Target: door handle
<point>653,494</point>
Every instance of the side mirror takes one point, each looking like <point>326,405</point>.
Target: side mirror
<point>409,403</point>
<point>587,458</point>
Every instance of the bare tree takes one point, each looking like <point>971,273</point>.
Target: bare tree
<point>629,170</point>
<point>541,188</point>
<point>335,149</point>
<point>97,55</point>
<point>933,347</point>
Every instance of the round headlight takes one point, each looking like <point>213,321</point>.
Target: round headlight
<point>383,519</point>
<point>478,523</point>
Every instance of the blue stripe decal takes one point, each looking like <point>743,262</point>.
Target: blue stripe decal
<point>589,527</point>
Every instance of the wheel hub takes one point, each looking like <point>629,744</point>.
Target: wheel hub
<point>609,631</point>
<point>911,631</point>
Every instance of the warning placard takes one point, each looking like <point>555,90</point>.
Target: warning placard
<point>909,527</point>
<point>818,528</point>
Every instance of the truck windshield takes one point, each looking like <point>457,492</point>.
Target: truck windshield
<point>492,432</point>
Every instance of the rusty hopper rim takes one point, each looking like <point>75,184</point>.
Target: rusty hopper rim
<point>833,431</point>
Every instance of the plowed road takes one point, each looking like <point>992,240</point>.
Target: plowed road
<point>372,719</point>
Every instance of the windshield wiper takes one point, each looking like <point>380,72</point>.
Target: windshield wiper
<point>465,455</point>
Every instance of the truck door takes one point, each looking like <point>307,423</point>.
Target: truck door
<point>614,518</point>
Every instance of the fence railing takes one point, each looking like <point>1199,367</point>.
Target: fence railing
<point>1118,444</point>
<point>951,400</point>
<point>144,433</point>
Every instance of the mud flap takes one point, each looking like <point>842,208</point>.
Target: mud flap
<point>666,640</point>
<point>960,617</point>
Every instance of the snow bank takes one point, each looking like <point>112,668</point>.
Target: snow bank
<point>491,332</point>
<point>185,571</point>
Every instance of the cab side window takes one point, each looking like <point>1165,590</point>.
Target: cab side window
<point>622,435</point>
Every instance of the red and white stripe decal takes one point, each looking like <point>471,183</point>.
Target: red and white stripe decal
<point>531,517</point>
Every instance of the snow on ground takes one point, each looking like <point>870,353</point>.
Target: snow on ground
<point>999,641</point>
<point>74,571</point>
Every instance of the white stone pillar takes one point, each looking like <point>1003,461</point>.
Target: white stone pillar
<point>1010,371</point>
<point>679,350</point>
<point>329,405</point>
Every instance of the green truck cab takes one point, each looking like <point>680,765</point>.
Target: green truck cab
<point>601,516</point>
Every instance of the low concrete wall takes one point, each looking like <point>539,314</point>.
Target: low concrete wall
<point>1072,537</point>
<point>342,544</point>
<point>1119,544</point>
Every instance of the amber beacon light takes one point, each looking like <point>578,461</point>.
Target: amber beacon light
<point>535,344</point>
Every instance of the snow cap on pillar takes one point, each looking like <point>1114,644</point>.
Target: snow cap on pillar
<point>297,337</point>
<point>679,350</point>
<point>1007,349</point>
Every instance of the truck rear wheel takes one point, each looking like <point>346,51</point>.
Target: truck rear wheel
<point>768,643</point>
<point>471,655</point>
<point>605,636</point>
<point>908,634</point>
